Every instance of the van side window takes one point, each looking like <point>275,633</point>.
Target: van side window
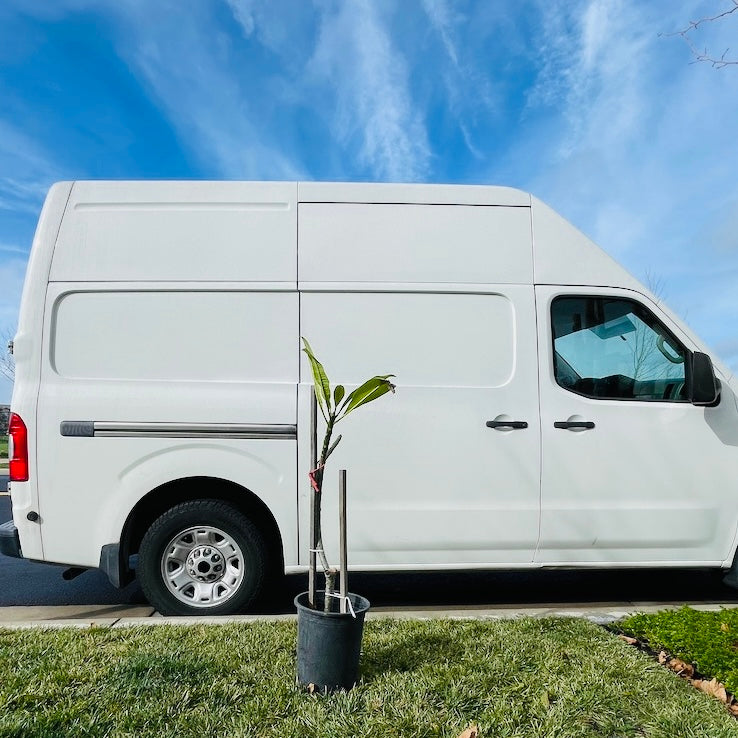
<point>615,349</point>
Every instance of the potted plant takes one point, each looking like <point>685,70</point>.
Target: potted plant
<point>330,626</point>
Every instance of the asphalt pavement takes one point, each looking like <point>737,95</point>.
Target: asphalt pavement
<point>27,583</point>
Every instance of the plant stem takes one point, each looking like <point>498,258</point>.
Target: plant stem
<point>330,585</point>
<point>327,571</point>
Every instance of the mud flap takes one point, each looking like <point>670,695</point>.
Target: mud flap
<point>111,564</point>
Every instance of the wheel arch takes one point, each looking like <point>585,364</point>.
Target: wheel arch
<point>167,495</point>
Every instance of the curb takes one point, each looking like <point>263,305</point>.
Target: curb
<point>599,616</point>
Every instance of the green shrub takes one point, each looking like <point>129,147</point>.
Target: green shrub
<point>707,639</point>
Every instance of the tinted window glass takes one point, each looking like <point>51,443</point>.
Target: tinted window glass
<point>610,348</point>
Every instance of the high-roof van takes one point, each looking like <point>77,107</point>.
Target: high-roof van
<point>550,411</point>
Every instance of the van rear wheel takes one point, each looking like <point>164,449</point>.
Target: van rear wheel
<point>202,557</point>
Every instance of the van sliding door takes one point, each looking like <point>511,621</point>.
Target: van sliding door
<point>446,471</point>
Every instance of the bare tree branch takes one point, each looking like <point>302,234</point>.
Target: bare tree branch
<point>706,56</point>
<point>656,284</point>
<point>7,365</point>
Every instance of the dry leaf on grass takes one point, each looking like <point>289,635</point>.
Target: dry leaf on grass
<point>712,687</point>
<point>682,668</point>
<point>471,732</point>
<point>709,686</point>
<point>724,627</point>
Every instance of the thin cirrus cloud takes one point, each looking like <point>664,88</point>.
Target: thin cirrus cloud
<point>623,122</point>
<point>371,103</point>
<point>353,71</point>
<point>26,169</point>
<point>354,85</point>
<point>468,89</point>
<point>189,74</point>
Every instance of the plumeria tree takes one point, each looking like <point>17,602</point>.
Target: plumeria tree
<point>335,406</point>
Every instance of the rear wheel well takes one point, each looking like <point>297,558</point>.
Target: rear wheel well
<point>166,496</point>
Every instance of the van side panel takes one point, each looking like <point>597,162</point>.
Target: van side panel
<point>199,335</point>
<point>178,231</point>
<point>170,344</point>
<point>414,244</point>
<point>125,359</point>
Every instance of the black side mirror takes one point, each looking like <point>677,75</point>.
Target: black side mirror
<point>703,384</point>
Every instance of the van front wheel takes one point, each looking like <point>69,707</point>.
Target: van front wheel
<point>202,557</point>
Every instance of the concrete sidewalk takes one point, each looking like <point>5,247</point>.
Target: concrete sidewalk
<point>121,616</point>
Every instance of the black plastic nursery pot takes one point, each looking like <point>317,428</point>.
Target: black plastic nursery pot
<point>329,644</point>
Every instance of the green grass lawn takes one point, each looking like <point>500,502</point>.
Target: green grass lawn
<point>3,447</point>
<point>551,677</point>
<point>707,639</point>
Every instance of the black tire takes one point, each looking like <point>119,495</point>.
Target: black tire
<point>202,557</point>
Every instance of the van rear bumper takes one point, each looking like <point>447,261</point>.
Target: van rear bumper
<point>9,540</point>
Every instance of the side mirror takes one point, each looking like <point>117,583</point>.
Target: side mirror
<point>703,385</point>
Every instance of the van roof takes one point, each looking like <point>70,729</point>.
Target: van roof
<point>95,227</point>
<point>426,194</point>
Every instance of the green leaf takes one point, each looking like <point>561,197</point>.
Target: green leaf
<point>332,448</point>
<point>338,394</point>
<point>371,390</point>
<point>320,379</point>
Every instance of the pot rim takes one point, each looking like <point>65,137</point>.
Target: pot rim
<point>359,603</point>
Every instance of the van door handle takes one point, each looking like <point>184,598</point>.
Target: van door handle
<point>502,424</point>
<point>570,424</point>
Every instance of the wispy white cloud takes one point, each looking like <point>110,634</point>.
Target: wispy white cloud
<point>441,16</point>
<point>589,70</point>
<point>281,26</point>
<point>475,151</point>
<point>243,12</point>
<point>26,170</point>
<point>374,102</point>
<point>189,76</point>
<point>12,271</point>
<point>468,77</point>
<point>12,249</point>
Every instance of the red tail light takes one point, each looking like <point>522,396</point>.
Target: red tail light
<point>18,471</point>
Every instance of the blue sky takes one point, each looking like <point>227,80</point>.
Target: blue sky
<point>579,101</point>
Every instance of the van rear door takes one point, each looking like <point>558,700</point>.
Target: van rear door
<point>170,327</point>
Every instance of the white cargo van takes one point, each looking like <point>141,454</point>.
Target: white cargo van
<point>550,411</point>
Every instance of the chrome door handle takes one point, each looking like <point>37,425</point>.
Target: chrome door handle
<point>571,424</point>
<point>502,424</point>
